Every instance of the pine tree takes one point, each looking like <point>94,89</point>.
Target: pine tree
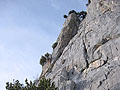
<point>44,84</point>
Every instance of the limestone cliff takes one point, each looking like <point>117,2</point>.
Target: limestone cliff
<point>87,55</point>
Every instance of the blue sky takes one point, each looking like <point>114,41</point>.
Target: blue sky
<point>28,28</point>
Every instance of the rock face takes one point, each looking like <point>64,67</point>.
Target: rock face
<point>87,56</point>
<point>69,30</point>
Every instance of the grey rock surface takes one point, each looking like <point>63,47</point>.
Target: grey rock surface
<point>87,56</point>
<point>68,31</point>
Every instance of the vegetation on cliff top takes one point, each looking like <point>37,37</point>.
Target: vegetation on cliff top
<point>44,59</point>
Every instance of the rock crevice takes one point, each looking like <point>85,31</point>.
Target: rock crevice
<point>87,56</point>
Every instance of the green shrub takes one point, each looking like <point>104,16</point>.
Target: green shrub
<point>47,55</point>
<point>44,84</point>
<point>54,45</point>
<point>65,16</point>
<point>88,3</point>
<point>72,11</point>
<point>82,14</point>
<point>14,86</point>
<point>42,60</point>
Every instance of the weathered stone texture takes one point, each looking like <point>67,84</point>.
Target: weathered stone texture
<point>88,57</point>
<point>69,30</point>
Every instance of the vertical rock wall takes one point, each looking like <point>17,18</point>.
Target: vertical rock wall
<point>87,56</point>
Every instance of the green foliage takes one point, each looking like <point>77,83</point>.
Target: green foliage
<point>14,86</point>
<point>72,11</point>
<point>44,84</point>
<point>42,60</point>
<point>54,45</point>
<point>88,3</point>
<point>47,55</point>
<point>65,16</point>
<point>82,14</point>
